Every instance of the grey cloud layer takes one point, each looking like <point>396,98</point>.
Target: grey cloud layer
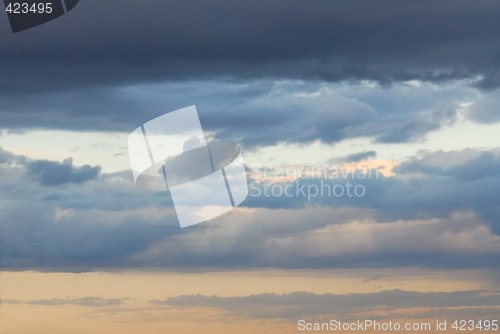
<point>121,41</point>
<point>433,184</point>
<point>102,220</point>
<point>110,66</point>
<point>255,113</point>
<point>298,305</point>
<point>383,305</point>
<point>412,219</point>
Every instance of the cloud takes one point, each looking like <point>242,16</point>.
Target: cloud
<point>78,228</point>
<point>324,72</point>
<point>378,305</point>
<point>237,72</point>
<point>337,41</point>
<point>5,156</point>
<point>432,184</point>
<point>85,301</point>
<point>486,109</point>
<point>421,216</point>
<point>403,129</point>
<point>328,118</point>
<point>9,157</point>
<point>446,181</point>
<point>306,238</point>
<point>466,165</point>
<point>360,156</point>
<point>53,173</point>
<point>254,113</point>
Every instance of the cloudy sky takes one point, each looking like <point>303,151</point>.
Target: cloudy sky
<point>397,100</point>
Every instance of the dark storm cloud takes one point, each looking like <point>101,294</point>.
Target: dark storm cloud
<point>346,306</point>
<point>96,67</point>
<point>120,42</point>
<point>53,173</point>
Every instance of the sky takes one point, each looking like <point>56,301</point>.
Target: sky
<point>369,131</point>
